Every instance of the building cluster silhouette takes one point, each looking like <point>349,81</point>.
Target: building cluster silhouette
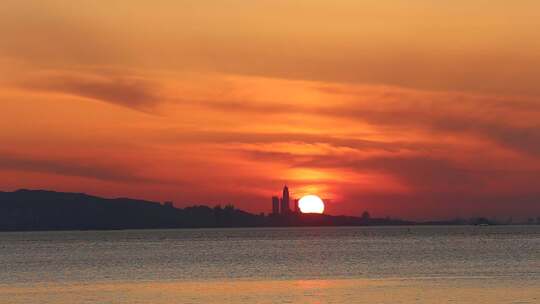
<point>281,206</point>
<point>25,210</point>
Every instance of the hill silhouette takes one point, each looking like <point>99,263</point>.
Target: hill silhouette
<point>48,210</point>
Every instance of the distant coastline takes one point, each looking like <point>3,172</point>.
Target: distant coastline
<point>38,210</point>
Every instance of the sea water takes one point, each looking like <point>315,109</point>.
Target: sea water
<point>417,264</point>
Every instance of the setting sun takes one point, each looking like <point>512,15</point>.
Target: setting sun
<point>311,204</point>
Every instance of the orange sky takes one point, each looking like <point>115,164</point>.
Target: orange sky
<point>417,109</point>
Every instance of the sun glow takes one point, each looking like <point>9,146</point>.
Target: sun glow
<point>311,204</point>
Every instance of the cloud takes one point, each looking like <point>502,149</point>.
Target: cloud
<point>224,137</point>
<point>124,90</point>
<point>507,121</point>
<point>497,128</point>
<point>421,173</point>
<point>106,171</point>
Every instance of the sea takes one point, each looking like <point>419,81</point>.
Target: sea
<point>416,264</point>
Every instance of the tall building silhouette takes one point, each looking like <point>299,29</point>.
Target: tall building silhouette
<point>296,207</point>
<point>285,209</point>
<point>275,205</point>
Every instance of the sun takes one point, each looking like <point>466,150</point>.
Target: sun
<point>311,204</point>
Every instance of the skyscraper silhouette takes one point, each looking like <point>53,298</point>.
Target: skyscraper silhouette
<point>285,209</point>
<point>275,205</point>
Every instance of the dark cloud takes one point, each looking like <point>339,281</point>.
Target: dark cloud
<point>224,137</point>
<point>425,175</point>
<point>497,129</point>
<point>426,168</point>
<point>106,171</point>
<point>248,106</point>
<point>127,91</point>
<point>273,157</point>
<point>422,173</point>
<point>440,188</point>
<point>491,118</point>
<point>488,117</point>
